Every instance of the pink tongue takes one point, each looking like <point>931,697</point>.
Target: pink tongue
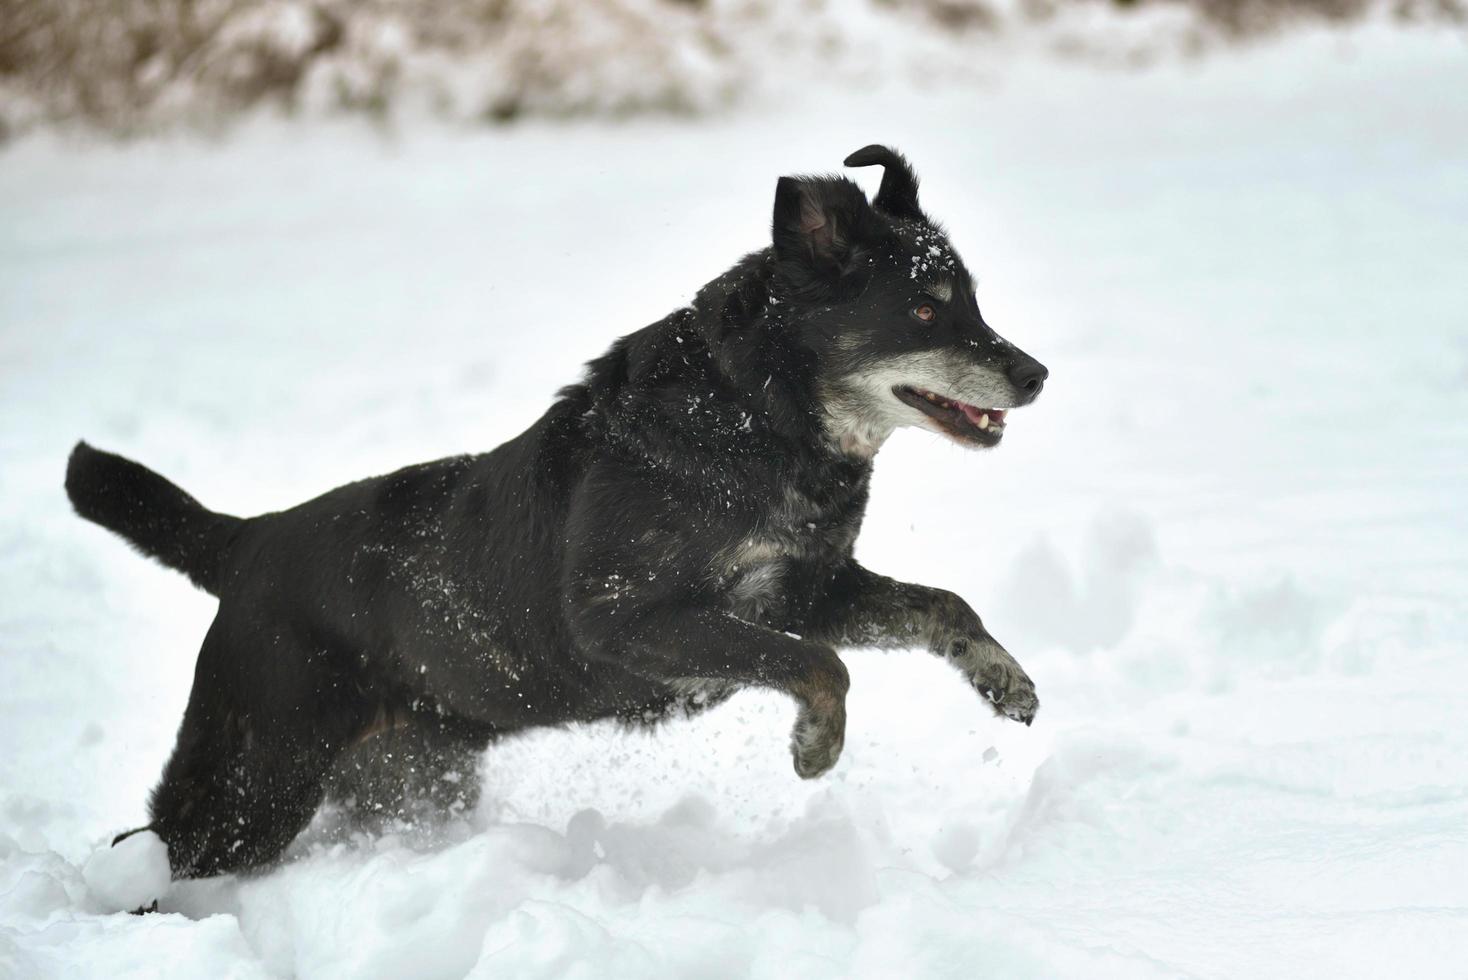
<point>974,414</point>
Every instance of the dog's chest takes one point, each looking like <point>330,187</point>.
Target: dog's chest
<point>763,572</point>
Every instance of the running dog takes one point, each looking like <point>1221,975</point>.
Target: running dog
<point>678,525</point>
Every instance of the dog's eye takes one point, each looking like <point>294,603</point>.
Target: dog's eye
<point>925,312</point>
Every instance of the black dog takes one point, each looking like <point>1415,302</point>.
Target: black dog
<point>675,527</point>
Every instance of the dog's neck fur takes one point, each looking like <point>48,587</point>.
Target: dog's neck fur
<point>849,427</point>
<point>720,386</point>
<point>759,299</point>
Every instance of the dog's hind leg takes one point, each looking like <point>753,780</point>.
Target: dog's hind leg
<point>257,738</point>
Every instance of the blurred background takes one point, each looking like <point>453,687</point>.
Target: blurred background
<point>271,247</point>
<point>126,66</point>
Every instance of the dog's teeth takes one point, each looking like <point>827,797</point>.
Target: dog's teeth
<point>984,421</point>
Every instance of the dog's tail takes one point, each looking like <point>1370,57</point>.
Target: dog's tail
<point>156,517</point>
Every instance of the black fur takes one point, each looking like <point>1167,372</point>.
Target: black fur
<point>157,518</point>
<point>677,525</point>
<point>898,193</point>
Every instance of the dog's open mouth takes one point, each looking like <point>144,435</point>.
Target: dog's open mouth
<point>964,422</point>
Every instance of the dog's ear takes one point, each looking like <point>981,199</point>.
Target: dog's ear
<point>822,223</point>
<point>898,195</point>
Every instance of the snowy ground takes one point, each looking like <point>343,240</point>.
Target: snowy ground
<point>1230,543</point>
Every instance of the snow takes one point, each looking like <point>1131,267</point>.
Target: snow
<point>1228,542</point>
<point>129,875</point>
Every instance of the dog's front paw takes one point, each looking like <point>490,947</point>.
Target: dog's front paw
<point>816,742</point>
<point>1018,701</point>
<point>1003,683</point>
<point>820,728</point>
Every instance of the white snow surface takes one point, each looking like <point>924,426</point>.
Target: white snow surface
<point>1230,542</point>
<point>129,875</point>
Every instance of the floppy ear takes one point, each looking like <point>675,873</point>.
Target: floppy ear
<point>822,223</point>
<point>898,193</point>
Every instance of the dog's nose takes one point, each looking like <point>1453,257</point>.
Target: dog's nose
<point>1028,375</point>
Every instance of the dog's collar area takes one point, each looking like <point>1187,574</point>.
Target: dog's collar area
<point>962,421</point>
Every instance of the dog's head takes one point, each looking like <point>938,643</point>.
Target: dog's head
<point>887,309</point>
